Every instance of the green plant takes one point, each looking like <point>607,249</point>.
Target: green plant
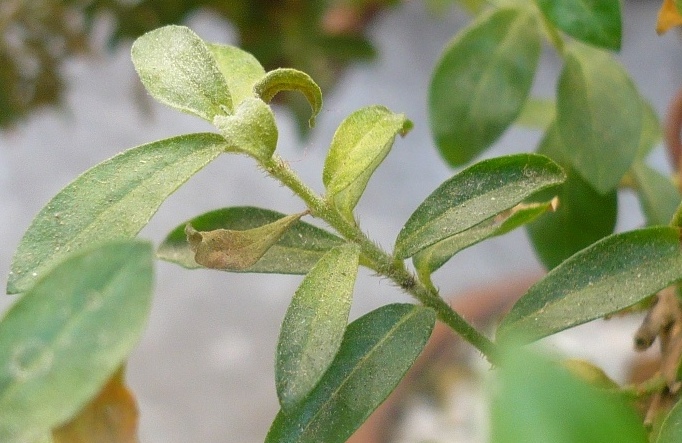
<point>79,267</point>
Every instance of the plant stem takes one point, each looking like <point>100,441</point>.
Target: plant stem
<point>377,259</point>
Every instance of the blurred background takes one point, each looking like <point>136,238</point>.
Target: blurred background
<point>69,99</point>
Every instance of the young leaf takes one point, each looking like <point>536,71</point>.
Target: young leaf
<point>240,69</point>
<point>597,22</point>
<point>669,16</point>
<point>178,70</point>
<point>599,116</point>
<point>657,194</point>
<point>671,429</point>
<point>251,130</point>
<point>232,250</point>
<point>288,79</point>
<point>596,282</point>
<point>314,324</point>
<point>296,252</point>
<point>360,144</point>
<point>376,351</point>
<point>68,335</point>
<point>113,200</point>
<point>474,195</point>
<point>481,82</point>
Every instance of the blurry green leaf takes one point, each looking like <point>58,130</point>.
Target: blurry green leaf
<point>606,277</point>
<point>360,144</point>
<point>178,69</point>
<point>657,194</point>
<point>376,351</point>
<point>314,324</point>
<point>299,248</point>
<point>66,337</point>
<point>240,69</point>
<point>481,82</point>
<point>236,250</point>
<point>288,79</point>
<point>535,401</point>
<point>113,200</point>
<point>474,195</point>
<point>671,429</point>
<point>597,22</point>
<point>589,372</point>
<point>652,133</point>
<point>599,116</point>
<point>537,113</point>
<point>252,129</point>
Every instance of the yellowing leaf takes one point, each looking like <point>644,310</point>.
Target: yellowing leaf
<point>668,17</point>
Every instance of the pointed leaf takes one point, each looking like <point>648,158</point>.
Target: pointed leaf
<point>68,335</point>
<point>657,194</point>
<point>376,351</point>
<point>597,22</point>
<point>240,69</point>
<point>288,79</point>
<point>178,70</point>
<point>299,248</point>
<point>474,195</point>
<point>669,16</point>
<point>236,250</point>
<point>671,429</point>
<point>314,324</point>
<point>360,144</point>
<point>481,82</point>
<point>608,276</point>
<point>251,130</point>
<point>599,116</point>
<point>113,200</point>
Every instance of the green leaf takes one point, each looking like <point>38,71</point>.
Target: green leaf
<point>481,82</point>
<point>178,70</point>
<point>608,276</point>
<point>671,429</point>
<point>678,5</point>
<point>537,113</point>
<point>536,401</point>
<point>474,195</point>
<point>599,116</point>
<point>236,250</point>
<point>111,201</point>
<point>597,22</point>
<point>652,133</point>
<point>62,341</point>
<point>360,144</point>
<point>314,324</point>
<point>288,79</point>
<point>376,351</point>
<point>252,129</point>
<point>657,194</point>
<point>296,252</point>
<point>240,69</point>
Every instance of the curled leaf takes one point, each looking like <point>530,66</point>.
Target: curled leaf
<point>236,250</point>
<point>668,17</point>
<point>288,79</point>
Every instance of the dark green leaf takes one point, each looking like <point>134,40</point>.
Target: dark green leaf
<point>288,79</point>
<point>314,324</point>
<point>113,200</point>
<point>251,130</point>
<point>295,253</point>
<point>671,429</point>
<point>178,69</point>
<point>376,351</point>
<point>597,22</point>
<point>657,194</point>
<point>474,195</point>
<point>62,341</point>
<point>481,82</point>
<point>608,276</point>
<point>240,69</point>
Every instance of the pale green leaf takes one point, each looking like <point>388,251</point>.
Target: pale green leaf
<point>652,132</point>
<point>657,194</point>
<point>537,113</point>
<point>252,129</point>
<point>240,69</point>
<point>288,79</point>
<point>671,429</point>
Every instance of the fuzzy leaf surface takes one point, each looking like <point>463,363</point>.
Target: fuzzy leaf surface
<point>252,129</point>
<point>289,79</point>
<point>240,69</point>
<point>597,22</point>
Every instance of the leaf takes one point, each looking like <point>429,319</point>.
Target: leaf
<point>608,276</point>
<point>62,341</point>
<point>657,194</point>
<point>360,144</point>
<point>597,22</point>
<point>113,200</point>
<point>314,324</point>
<point>236,250</point>
<point>599,116</point>
<point>537,113</point>
<point>474,195</point>
<point>178,70</point>
<point>652,133</point>
<point>288,79</point>
<point>536,401</point>
<point>299,248</point>
<point>240,69</point>
<point>481,82</point>
<point>671,429</point>
<point>252,129</point>
<point>376,351</point>
<point>110,417</point>
<point>669,16</point>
